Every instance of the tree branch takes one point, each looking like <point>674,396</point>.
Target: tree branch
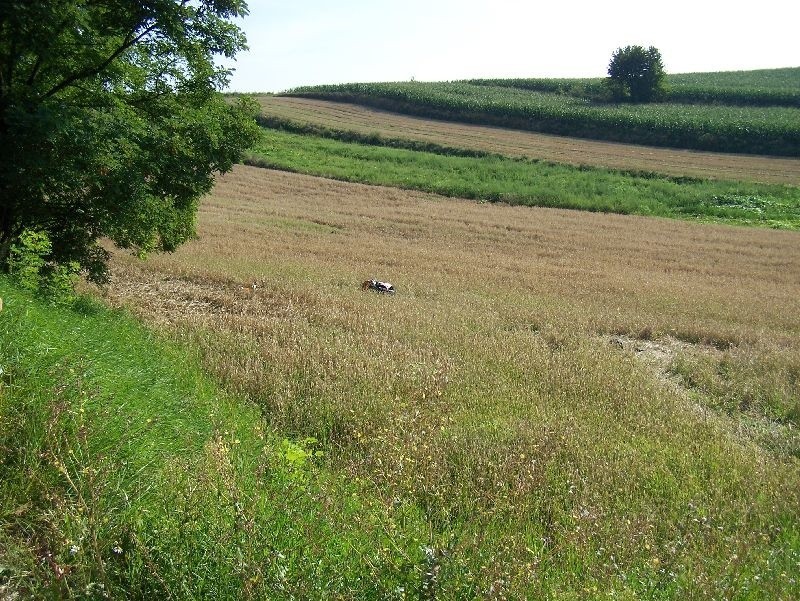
<point>39,58</point>
<point>128,43</point>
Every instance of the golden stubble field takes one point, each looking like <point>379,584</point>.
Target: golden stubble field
<point>572,151</point>
<point>548,388</point>
<point>519,265</point>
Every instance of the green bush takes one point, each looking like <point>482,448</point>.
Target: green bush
<point>636,74</point>
<point>26,260</point>
<point>28,264</point>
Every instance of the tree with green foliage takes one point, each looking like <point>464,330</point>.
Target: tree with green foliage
<point>636,74</point>
<point>112,124</point>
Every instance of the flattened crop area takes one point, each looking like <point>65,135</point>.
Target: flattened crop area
<point>348,117</point>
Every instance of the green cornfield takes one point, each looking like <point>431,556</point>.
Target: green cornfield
<point>765,87</point>
<point>713,127</point>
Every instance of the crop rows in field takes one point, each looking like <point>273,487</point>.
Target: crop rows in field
<point>765,130</point>
<point>777,87</point>
<point>385,126</point>
<point>769,87</point>
<point>776,80</point>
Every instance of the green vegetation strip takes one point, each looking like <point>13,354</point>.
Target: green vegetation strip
<point>372,139</point>
<point>525,182</point>
<point>762,130</point>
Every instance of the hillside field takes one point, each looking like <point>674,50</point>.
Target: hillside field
<point>587,385</point>
<point>366,121</point>
<point>495,178</point>
<point>761,87</point>
<point>719,128</point>
<point>573,405</point>
<point>720,113</point>
<point>484,141</point>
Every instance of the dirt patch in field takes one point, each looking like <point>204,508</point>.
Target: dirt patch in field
<point>573,151</point>
<point>659,355</point>
<point>165,298</point>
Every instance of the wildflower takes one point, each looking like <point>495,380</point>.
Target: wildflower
<point>73,550</point>
<point>117,549</point>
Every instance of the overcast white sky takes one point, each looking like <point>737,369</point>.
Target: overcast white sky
<point>295,42</point>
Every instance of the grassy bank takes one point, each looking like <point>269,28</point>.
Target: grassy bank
<point>495,178</point>
<point>126,473</point>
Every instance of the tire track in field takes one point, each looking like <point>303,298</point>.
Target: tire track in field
<point>515,143</point>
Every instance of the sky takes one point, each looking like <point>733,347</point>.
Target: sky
<point>295,42</point>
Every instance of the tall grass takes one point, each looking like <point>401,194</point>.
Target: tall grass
<point>126,473</point>
<point>485,400</point>
<point>495,178</point>
<point>766,130</point>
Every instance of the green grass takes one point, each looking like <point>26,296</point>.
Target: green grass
<point>494,178</point>
<point>758,130</point>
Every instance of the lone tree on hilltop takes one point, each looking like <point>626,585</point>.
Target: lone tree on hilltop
<point>112,124</point>
<point>636,74</point>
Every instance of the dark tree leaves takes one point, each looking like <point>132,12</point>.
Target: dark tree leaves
<point>636,74</point>
<point>111,121</point>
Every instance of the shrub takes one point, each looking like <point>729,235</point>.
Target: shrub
<point>31,268</point>
<point>26,260</point>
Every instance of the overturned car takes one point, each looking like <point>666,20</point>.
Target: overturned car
<point>377,286</point>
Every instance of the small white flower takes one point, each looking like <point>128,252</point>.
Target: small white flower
<point>73,550</point>
<point>117,549</point>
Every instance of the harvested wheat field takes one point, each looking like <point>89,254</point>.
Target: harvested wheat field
<point>574,151</point>
<point>571,402</point>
